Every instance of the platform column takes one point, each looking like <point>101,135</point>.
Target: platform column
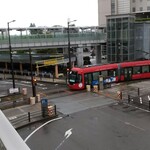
<point>37,69</point>
<point>80,56</point>
<point>98,54</point>
<point>6,66</point>
<point>21,69</point>
<point>56,71</point>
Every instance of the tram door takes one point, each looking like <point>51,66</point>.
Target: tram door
<point>127,74</point>
<point>88,79</point>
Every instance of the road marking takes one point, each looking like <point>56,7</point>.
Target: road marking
<point>129,124</point>
<point>137,107</point>
<point>13,117</point>
<point>67,135</point>
<point>41,127</point>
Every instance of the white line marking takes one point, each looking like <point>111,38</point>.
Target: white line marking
<point>67,134</point>
<point>137,107</point>
<point>129,124</point>
<point>13,117</point>
<point>40,128</point>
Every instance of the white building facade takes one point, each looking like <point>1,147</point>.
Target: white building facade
<point>114,7</point>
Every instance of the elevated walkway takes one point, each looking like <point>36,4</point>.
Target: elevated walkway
<point>52,39</point>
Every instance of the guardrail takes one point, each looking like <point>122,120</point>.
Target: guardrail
<point>32,117</point>
<point>48,41</point>
<point>142,101</point>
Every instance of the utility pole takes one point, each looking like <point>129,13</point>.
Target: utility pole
<point>33,80</point>
<point>10,51</point>
<point>69,55</point>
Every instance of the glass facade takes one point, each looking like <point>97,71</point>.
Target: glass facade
<point>120,38</point>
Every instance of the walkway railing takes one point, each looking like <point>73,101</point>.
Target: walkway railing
<point>31,117</point>
<point>51,40</point>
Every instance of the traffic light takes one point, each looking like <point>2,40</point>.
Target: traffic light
<point>34,81</point>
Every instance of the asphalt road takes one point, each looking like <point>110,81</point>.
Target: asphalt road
<point>42,87</point>
<point>93,123</point>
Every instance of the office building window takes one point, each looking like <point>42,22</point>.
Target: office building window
<point>133,1</point>
<point>141,8</point>
<point>133,9</point>
<point>112,7</point>
<point>148,8</point>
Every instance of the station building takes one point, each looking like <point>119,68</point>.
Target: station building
<point>127,26</point>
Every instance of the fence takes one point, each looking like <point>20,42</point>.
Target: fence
<point>31,117</point>
<point>133,92</point>
<point>142,101</point>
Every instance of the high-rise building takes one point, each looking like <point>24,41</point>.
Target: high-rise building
<point>138,6</point>
<point>104,9</point>
<point>114,7</point>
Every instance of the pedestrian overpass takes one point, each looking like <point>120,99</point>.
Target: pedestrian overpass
<point>52,38</point>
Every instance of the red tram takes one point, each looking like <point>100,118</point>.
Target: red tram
<point>126,71</point>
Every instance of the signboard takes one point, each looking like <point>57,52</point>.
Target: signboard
<point>44,102</point>
<point>13,90</point>
<point>109,80</point>
<point>50,62</point>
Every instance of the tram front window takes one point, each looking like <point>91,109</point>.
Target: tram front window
<point>74,77</point>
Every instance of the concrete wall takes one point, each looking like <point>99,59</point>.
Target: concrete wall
<point>104,8</point>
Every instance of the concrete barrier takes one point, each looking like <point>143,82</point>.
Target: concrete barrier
<point>95,88</point>
<point>88,88</point>
<point>24,91</point>
<point>38,98</point>
<point>32,100</point>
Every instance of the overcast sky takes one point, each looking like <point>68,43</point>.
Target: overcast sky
<point>48,12</point>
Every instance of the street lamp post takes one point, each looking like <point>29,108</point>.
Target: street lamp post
<point>33,80</point>
<point>69,55</point>
<point>10,51</point>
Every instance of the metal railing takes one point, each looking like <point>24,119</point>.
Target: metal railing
<point>31,117</point>
<point>142,101</point>
<point>51,40</point>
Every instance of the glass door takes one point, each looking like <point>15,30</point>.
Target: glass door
<point>127,74</point>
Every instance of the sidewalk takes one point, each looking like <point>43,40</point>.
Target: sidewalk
<point>13,114</point>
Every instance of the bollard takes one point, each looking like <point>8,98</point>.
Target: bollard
<point>128,98</point>
<point>138,91</point>
<point>88,88</point>
<point>148,101</point>
<point>95,88</point>
<point>121,95</point>
<point>55,109</point>
<point>141,101</point>
<point>29,119</point>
